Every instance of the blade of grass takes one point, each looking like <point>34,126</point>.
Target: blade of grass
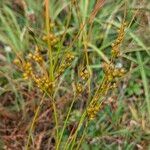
<point>138,41</point>
<point>100,53</point>
<point>145,82</point>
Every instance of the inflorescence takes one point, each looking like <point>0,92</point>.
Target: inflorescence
<point>34,66</point>
<point>42,80</point>
<point>112,73</point>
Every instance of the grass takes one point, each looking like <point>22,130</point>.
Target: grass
<point>35,117</point>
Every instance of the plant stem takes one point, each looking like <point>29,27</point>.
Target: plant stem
<point>47,22</point>
<point>64,126</point>
<point>33,122</point>
<point>83,135</point>
<point>56,120</point>
<point>76,132</point>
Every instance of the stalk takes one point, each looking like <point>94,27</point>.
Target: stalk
<point>47,23</point>
<point>33,123</point>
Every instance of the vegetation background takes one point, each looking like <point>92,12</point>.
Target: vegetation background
<point>124,123</point>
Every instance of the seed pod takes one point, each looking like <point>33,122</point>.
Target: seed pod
<point>79,88</point>
<point>84,74</point>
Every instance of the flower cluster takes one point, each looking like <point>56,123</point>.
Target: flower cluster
<point>36,56</point>
<point>34,66</point>
<point>52,38</point>
<point>28,71</point>
<point>43,83</point>
<point>116,45</point>
<point>69,57</point>
<point>41,78</point>
<point>79,88</point>
<point>112,73</point>
<point>93,110</point>
<point>84,76</point>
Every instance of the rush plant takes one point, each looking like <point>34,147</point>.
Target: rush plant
<point>46,70</point>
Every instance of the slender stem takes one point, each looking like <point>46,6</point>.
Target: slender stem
<point>55,115</point>
<point>76,132</point>
<point>47,22</point>
<point>33,122</point>
<point>83,135</point>
<point>63,37</point>
<point>64,126</point>
<point>56,121</point>
<point>51,70</point>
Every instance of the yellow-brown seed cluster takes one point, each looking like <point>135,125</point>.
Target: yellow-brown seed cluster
<point>92,111</point>
<point>66,63</point>
<point>111,72</point>
<point>69,57</point>
<point>79,88</point>
<point>43,83</point>
<point>27,68</point>
<point>84,74</point>
<point>118,41</point>
<point>52,38</point>
<point>36,56</point>
<point>34,65</point>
